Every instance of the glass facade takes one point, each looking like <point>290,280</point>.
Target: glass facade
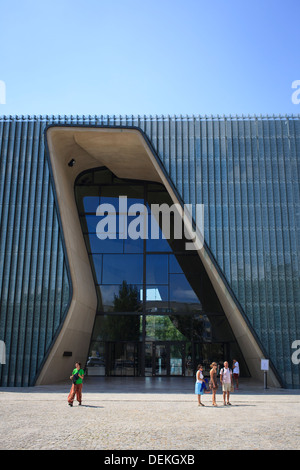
<point>157,310</point>
<point>245,170</point>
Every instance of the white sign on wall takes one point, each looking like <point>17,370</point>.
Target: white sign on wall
<point>2,353</point>
<point>264,364</point>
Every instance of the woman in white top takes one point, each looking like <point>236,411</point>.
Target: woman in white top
<point>199,385</point>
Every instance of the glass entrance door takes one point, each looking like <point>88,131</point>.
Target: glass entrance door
<point>176,358</point>
<point>206,353</point>
<point>122,359</point>
<point>164,358</point>
<point>161,359</point>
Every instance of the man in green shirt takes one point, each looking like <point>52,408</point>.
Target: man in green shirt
<point>76,389</point>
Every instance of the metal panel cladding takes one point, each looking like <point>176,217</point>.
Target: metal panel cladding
<point>34,284</point>
<point>245,170</point>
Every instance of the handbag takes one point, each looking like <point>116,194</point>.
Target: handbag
<point>75,378</point>
<point>211,385</point>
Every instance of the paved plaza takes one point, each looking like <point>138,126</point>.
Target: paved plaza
<point>148,414</point>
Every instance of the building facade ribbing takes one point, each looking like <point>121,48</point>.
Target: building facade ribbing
<point>245,170</point>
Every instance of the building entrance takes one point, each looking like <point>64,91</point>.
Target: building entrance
<point>133,359</point>
<point>164,358</point>
<point>154,358</point>
<point>157,314</point>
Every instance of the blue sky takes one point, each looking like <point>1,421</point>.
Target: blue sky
<point>149,57</point>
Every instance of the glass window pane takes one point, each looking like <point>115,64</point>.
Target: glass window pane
<point>106,295</point>
<point>102,176</point>
<point>96,359</point>
<point>112,299</point>
<point>95,245</point>
<point>174,266</point>
<point>112,201</point>
<point>166,328</point>
<point>133,246</point>
<point>90,203</point>
<point>96,262</point>
<point>156,240</point>
<point>91,222</point>
<point>87,198</point>
<point>182,296</point>
<point>118,268</point>
<point>157,299</point>
<point>157,245</point>
<point>134,193</point>
<point>157,269</point>
<point>117,328</point>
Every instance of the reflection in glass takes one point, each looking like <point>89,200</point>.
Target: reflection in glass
<point>103,246</point>
<point>90,204</point>
<point>182,296</point>
<point>123,359</point>
<point>163,328</point>
<point>148,359</point>
<point>174,266</point>
<point>133,246</point>
<point>96,360</point>
<point>96,262</point>
<point>117,268</point>
<point>156,304</point>
<point>107,295</point>
<point>127,299</point>
<point>114,327</point>
<point>176,359</point>
<point>161,363</point>
<point>91,222</point>
<point>157,299</point>
<point>157,269</point>
<point>156,240</point>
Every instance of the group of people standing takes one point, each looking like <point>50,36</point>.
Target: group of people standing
<point>226,378</point>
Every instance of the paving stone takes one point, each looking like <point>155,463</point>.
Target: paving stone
<point>138,414</point>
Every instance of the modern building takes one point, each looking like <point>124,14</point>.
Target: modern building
<point>90,270</point>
